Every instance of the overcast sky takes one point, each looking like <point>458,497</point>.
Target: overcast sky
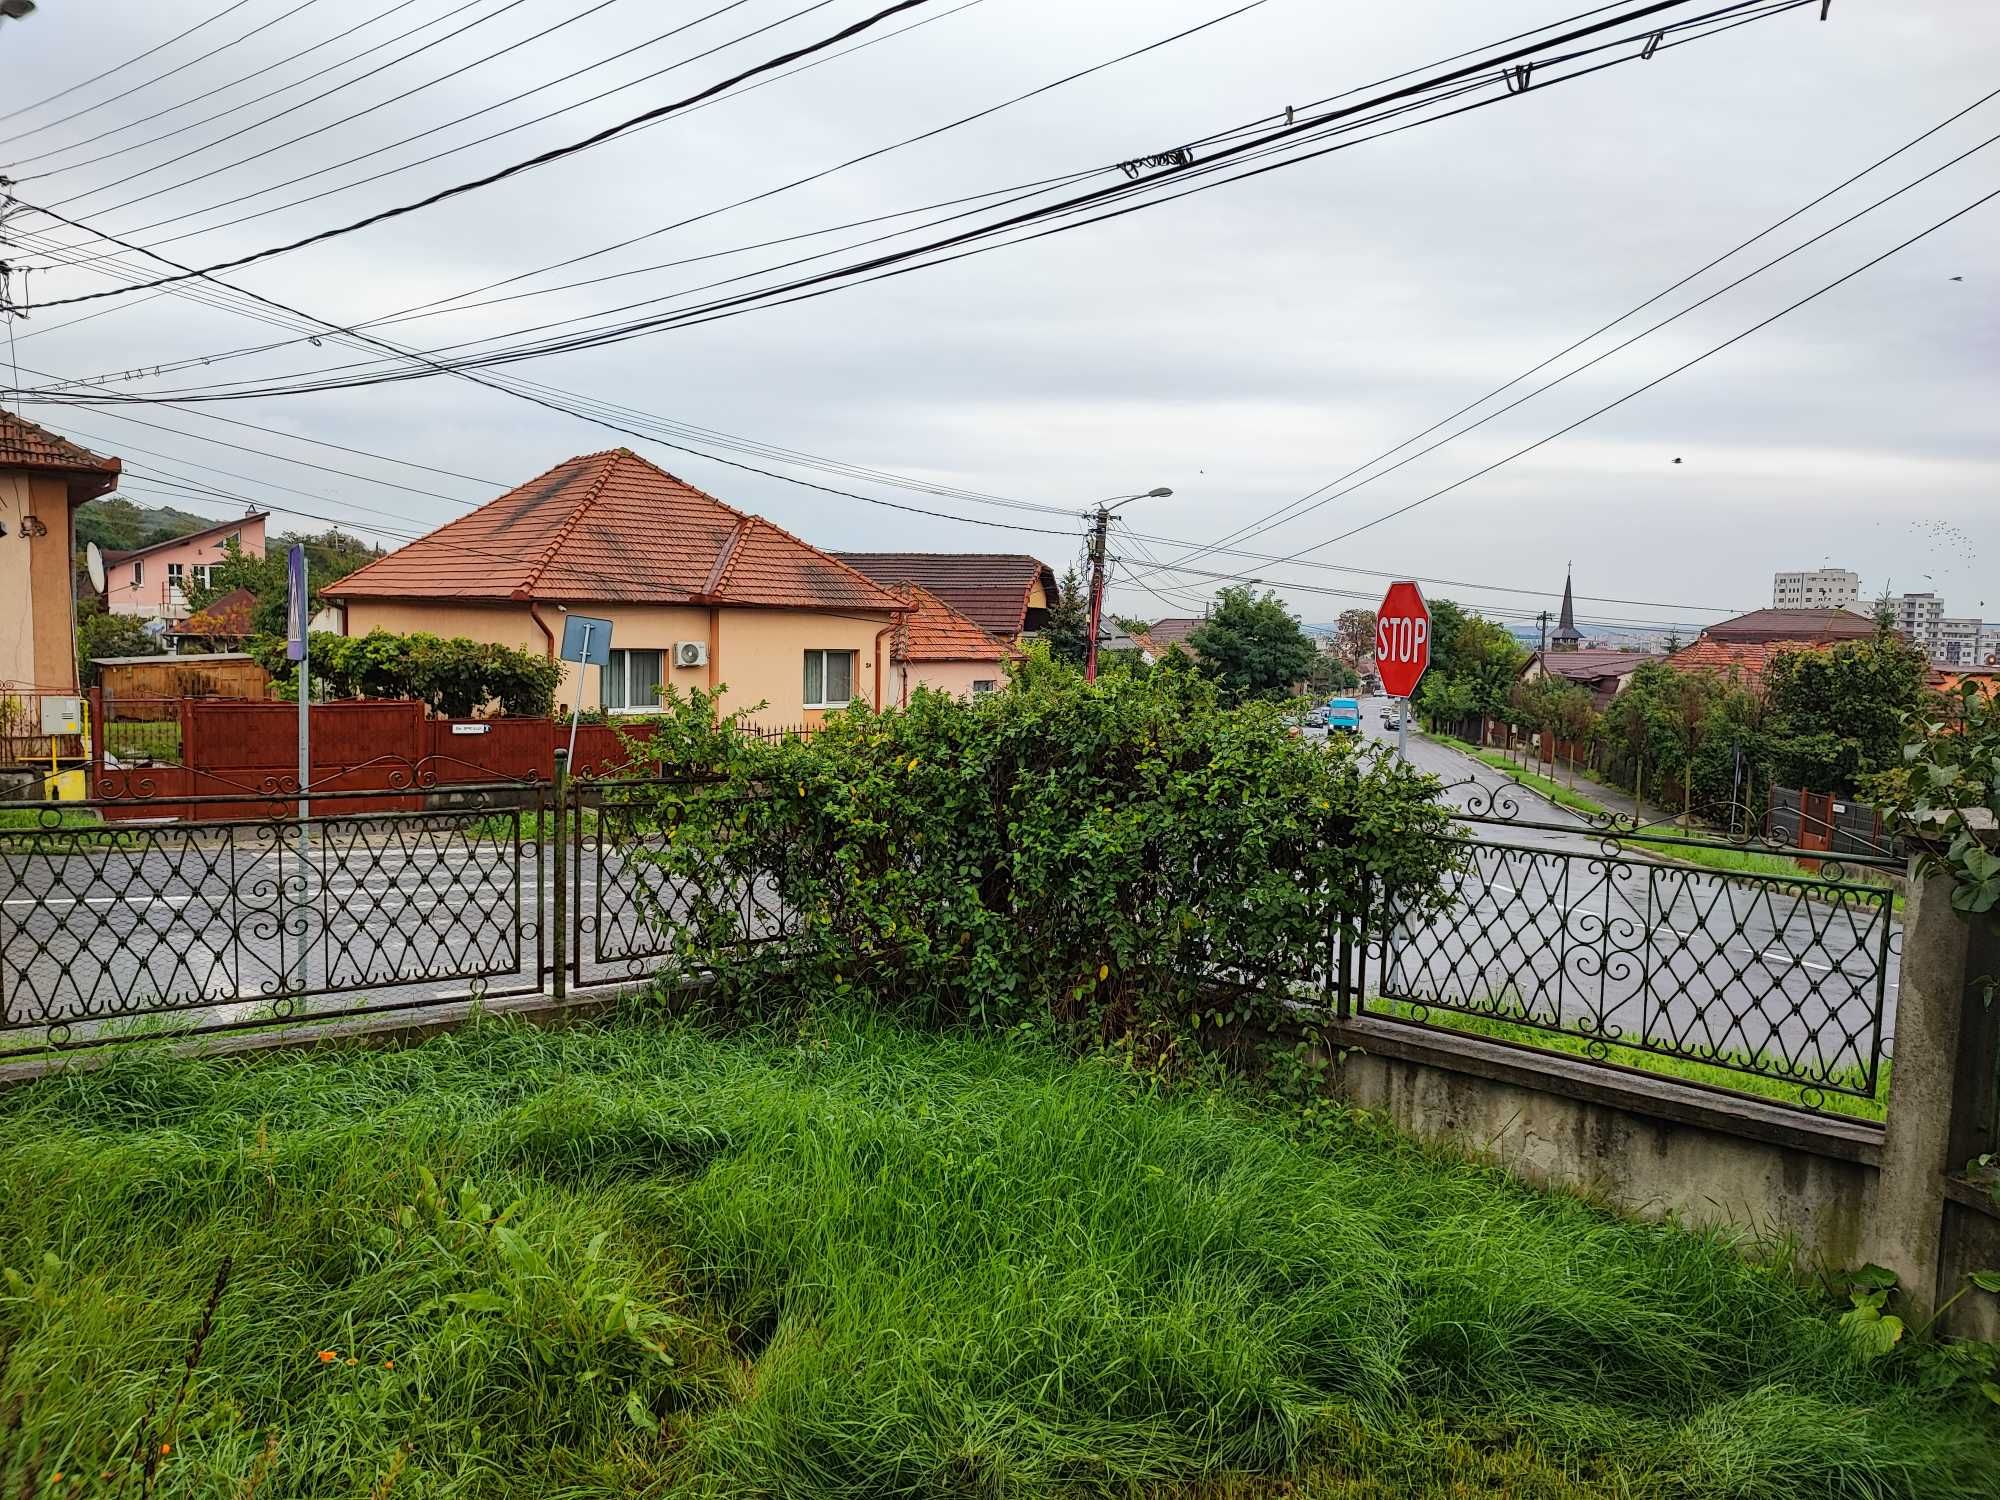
<point>1243,346</point>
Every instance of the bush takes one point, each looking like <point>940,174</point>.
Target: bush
<point>455,677</point>
<point>1096,853</point>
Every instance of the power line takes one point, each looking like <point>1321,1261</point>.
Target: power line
<point>1657,380</point>
<point>1234,131</point>
<point>611,131</point>
<point>765,83</point>
<point>727,306</point>
<point>436,129</point>
<point>555,153</point>
<point>851,161</point>
<point>222,88</point>
<point>154,168</point>
<point>120,67</point>
<point>1309,502</point>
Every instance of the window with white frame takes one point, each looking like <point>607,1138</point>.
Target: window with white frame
<point>829,679</point>
<point>981,686</point>
<point>173,575</point>
<point>204,574</point>
<point>631,682</point>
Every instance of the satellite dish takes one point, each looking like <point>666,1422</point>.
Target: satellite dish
<point>93,562</point>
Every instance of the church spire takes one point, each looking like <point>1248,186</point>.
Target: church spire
<point>1567,636</point>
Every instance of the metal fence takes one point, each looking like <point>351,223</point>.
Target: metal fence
<point>1621,941</point>
<point>1588,935</point>
<point>429,891</point>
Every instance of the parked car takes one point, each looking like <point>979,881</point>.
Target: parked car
<point>1392,716</point>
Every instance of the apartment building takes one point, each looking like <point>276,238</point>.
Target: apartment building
<point>1918,617</point>
<point>1956,643</point>
<point>1816,588</point>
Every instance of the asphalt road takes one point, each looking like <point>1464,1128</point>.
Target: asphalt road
<point>1545,924</point>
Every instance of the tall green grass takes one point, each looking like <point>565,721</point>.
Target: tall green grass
<point>640,1259</point>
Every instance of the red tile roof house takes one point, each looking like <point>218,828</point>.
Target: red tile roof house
<point>1006,594</point>
<point>1604,673</point>
<point>1741,648</point>
<point>937,647</point>
<point>699,595</point>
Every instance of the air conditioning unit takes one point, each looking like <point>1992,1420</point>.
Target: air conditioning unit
<point>690,653</point>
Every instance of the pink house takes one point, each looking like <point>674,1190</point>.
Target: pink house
<point>152,582</point>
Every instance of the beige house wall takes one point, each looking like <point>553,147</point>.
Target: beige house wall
<point>17,593</point>
<point>954,677</point>
<point>37,603</point>
<point>758,655</point>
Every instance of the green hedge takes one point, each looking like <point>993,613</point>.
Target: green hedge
<point>456,677</point>
<point>1097,853</point>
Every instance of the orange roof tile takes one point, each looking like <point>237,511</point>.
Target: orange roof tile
<point>613,528</point>
<point>24,445</point>
<point>1746,659</point>
<point>934,631</point>
<point>229,615</point>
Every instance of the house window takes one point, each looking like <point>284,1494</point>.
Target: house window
<point>234,539</point>
<point>981,686</point>
<point>829,679</point>
<point>138,574</point>
<point>204,574</point>
<point>173,575</point>
<point>631,682</point>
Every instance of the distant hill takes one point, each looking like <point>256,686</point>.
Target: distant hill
<point>117,525</point>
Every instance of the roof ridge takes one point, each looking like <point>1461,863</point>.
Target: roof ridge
<point>727,556</point>
<point>191,536</point>
<point>820,552</point>
<point>526,588</point>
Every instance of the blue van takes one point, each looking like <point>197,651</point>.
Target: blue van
<point>1344,716</point>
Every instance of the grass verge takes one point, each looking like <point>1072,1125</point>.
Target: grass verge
<point>1857,1106</point>
<point>641,1259</point>
<point>1734,861</point>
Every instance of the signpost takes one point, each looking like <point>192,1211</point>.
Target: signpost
<point>297,613</point>
<point>1402,650</point>
<point>587,642</point>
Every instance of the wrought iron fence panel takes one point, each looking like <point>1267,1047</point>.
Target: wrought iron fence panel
<point>633,900</point>
<point>1780,977</point>
<point>217,924</point>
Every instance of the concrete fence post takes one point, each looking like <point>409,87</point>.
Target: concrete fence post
<point>1941,1094</point>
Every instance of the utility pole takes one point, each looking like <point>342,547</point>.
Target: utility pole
<point>1099,530</point>
<point>1542,619</point>
<point>1097,536</point>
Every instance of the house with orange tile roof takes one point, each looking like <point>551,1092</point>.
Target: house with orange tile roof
<point>43,479</point>
<point>938,647</point>
<point>698,593</point>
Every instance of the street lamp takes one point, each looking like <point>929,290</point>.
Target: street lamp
<point>1097,533</point>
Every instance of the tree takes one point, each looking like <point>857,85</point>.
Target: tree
<point>1331,675</point>
<point>101,634</point>
<point>1252,647</point>
<point>329,557</point>
<point>1839,715</point>
<point>1066,627</point>
<point>1354,636</point>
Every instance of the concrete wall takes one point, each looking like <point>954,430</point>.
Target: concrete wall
<point>37,644</point>
<point>757,654</point>
<point>1641,1143</point>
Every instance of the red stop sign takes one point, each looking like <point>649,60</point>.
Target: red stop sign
<point>1402,639</point>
